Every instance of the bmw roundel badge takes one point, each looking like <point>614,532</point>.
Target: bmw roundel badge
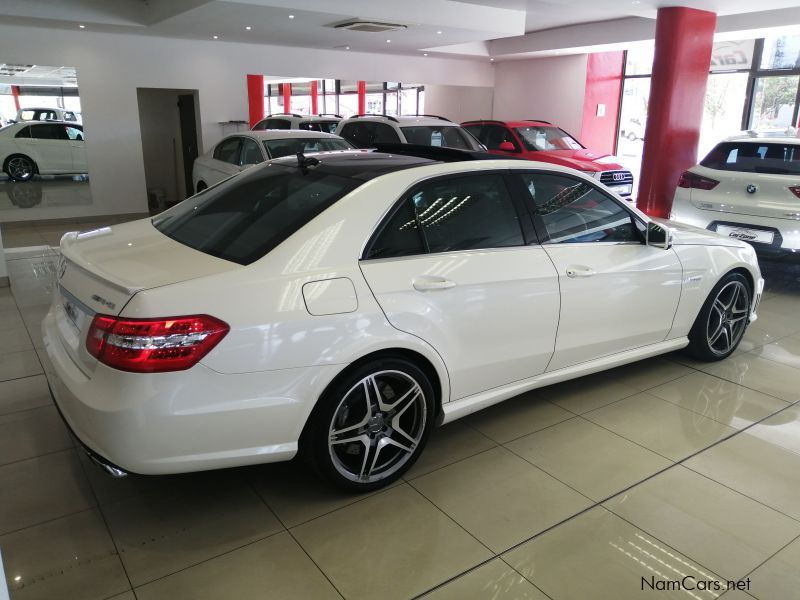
<point>751,189</point>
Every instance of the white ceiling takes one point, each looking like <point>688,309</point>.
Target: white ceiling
<point>455,27</point>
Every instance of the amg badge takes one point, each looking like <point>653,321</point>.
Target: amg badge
<point>107,303</point>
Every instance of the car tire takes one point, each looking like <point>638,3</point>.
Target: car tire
<point>20,167</point>
<point>721,323</point>
<point>371,425</point>
<point>200,187</point>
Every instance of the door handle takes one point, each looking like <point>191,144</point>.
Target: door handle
<point>428,284</point>
<point>576,271</point>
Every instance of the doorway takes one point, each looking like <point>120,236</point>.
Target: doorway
<point>168,120</point>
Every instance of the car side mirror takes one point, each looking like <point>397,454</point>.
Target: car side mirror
<point>658,236</point>
<point>507,147</point>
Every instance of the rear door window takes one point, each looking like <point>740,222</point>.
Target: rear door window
<point>49,132</point>
<point>243,218</point>
<point>228,150</point>
<point>755,157</point>
<point>250,153</point>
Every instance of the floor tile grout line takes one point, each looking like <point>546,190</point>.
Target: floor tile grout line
<point>105,522</point>
<point>510,566</point>
<point>770,557</point>
<point>42,455</point>
<point>458,460</point>
<point>46,521</point>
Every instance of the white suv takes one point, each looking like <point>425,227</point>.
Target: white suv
<point>365,131</point>
<point>324,122</point>
<point>748,187</point>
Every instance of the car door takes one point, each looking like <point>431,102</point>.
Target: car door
<point>224,161</point>
<point>251,153</point>
<point>454,264</point>
<point>616,292</point>
<point>50,148</point>
<point>77,145</point>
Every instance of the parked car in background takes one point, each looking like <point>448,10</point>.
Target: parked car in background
<point>535,139</point>
<point>325,122</point>
<point>342,305</point>
<point>42,147</point>
<point>365,131</point>
<point>48,114</point>
<point>748,188</point>
<point>239,151</point>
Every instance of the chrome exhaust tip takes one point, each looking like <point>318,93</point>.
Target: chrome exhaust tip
<point>110,469</point>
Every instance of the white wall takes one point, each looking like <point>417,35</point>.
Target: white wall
<point>542,88</point>
<point>459,103</point>
<point>111,67</point>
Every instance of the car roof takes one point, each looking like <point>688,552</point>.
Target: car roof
<point>284,134</point>
<point>406,120</point>
<point>522,123</point>
<point>359,164</point>
<point>782,136</point>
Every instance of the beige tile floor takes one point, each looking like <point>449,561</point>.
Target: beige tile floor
<point>661,469</point>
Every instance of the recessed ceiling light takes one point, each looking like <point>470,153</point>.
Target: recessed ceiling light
<point>82,26</point>
<point>424,54</point>
<point>388,41</point>
<point>216,37</point>
<point>347,47</point>
<point>248,28</point>
<point>439,32</point>
<point>635,2</point>
<point>491,60</point>
<point>291,16</point>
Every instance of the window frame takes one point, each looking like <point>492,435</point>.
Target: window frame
<point>524,216</point>
<point>238,139</point>
<point>538,222</point>
<point>244,139</point>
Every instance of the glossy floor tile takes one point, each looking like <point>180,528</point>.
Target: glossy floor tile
<point>500,498</point>
<point>405,544</point>
<point>516,417</point>
<point>585,394</point>
<point>23,394</point>
<point>726,531</point>
<point>779,577</point>
<point>781,429</point>
<point>495,580</point>
<point>785,351</point>
<point>160,533</point>
<point>592,460</point>
<point>447,445</point>
<point>756,373</point>
<point>599,555</point>
<point>275,567</point>
<point>660,426</point>
<point>758,469</point>
<point>70,557</point>
<point>16,365</point>
<point>719,399</point>
<point>32,433</point>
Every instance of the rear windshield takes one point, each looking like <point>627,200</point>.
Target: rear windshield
<point>278,148</point>
<point>246,216</point>
<point>446,137</point>
<point>547,138</point>
<point>755,157</point>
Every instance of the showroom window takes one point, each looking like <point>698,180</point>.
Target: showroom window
<point>572,211</point>
<point>753,84</point>
<point>467,213</point>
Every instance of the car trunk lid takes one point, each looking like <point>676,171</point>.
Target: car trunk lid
<point>101,270</point>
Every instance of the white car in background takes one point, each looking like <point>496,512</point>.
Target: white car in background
<point>342,305</point>
<point>239,151</point>
<point>42,147</point>
<point>367,131</point>
<point>748,188</point>
<point>48,114</point>
<point>324,122</point>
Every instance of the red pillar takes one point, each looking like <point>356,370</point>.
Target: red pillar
<point>684,37</point>
<point>287,97</point>
<point>255,98</point>
<point>15,94</point>
<point>362,97</point>
<point>314,97</point>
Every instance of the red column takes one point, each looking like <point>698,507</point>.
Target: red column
<point>362,97</point>
<point>255,98</point>
<point>15,94</point>
<point>314,97</point>
<point>684,37</point>
<point>287,97</point>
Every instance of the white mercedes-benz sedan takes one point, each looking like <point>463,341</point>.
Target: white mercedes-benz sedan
<point>235,153</point>
<point>42,148</point>
<point>342,305</point>
<point>748,188</point>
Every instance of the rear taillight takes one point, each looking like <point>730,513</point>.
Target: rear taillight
<point>795,189</point>
<point>153,345</point>
<point>697,182</point>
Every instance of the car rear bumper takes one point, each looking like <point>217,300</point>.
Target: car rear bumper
<point>158,423</point>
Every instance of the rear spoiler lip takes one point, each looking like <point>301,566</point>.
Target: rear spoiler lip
<point>79,262</point>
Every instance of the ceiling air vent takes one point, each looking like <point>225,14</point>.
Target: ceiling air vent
<point>367,26</point>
